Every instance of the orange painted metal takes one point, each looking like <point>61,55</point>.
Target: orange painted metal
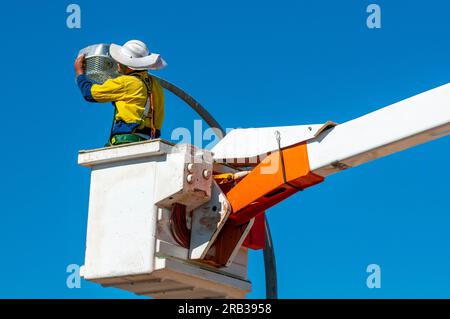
<point>256,237</point>
<point>269,183</point>
<point>277,177</point>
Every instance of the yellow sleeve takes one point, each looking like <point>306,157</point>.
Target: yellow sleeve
<point>111,90</point>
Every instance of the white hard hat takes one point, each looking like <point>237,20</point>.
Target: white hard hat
<point>135,55</point>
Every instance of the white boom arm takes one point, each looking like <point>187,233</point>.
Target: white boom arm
<point>139,240</point>
<point>405,124</point>
<point>332,148</point>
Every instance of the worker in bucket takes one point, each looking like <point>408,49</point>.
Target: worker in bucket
<point>138,98</point>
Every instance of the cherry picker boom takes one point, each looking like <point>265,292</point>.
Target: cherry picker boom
<point>176,221</point>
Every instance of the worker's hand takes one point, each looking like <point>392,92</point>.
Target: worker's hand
<point>79,65</point>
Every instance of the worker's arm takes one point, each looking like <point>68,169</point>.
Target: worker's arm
<point>111,90</point>
<point>83,81</point>
<point>85,86</point>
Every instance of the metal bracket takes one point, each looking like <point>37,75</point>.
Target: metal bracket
<point>207,221</point>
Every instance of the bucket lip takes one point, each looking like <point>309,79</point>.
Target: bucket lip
<point>96,50</point>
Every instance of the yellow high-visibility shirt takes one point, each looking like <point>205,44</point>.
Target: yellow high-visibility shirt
<point>129,95</point>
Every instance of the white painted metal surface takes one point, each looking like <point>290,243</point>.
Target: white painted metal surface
<point>251,145</point>
<point>181,177</point>
<point>129,243</point>
<point>207,221</point>
<point>413,121</point>
<point>126,245</point>
<point>89,158</point>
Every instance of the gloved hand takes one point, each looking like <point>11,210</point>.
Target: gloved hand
<point>80,65</point>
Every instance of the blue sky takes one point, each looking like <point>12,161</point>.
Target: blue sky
<point>252,63</point>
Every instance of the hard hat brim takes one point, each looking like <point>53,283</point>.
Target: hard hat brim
<point>150,62</point>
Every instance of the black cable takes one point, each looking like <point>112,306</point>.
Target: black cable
<point>278,137</point>
<point>270,265</point>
